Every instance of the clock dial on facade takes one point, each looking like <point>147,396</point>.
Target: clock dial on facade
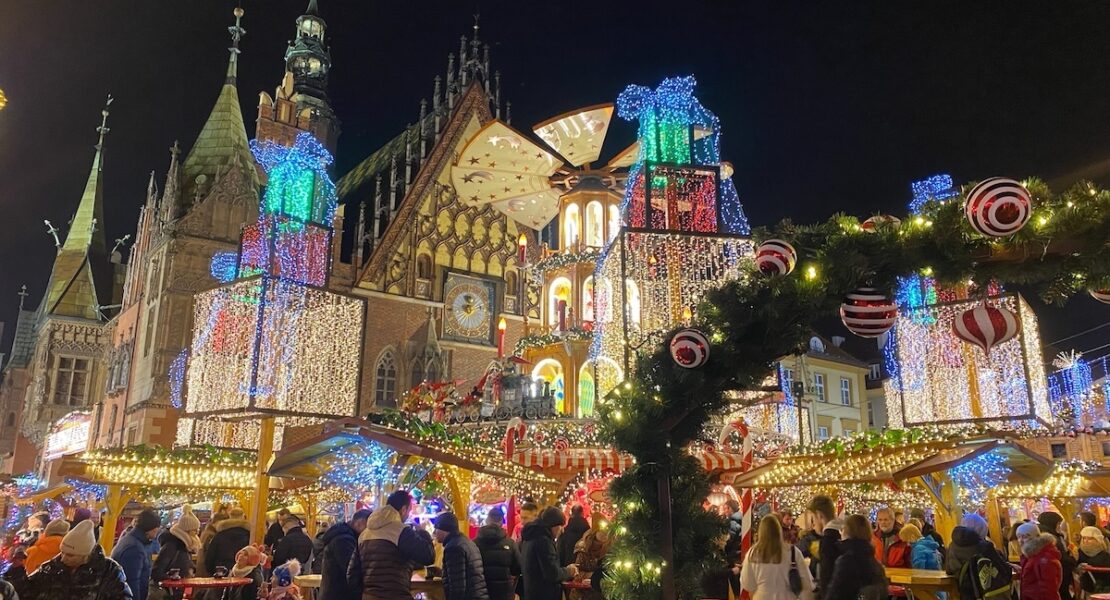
<point>469,309</point>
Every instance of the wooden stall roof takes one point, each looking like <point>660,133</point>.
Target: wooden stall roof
<point>1064,482</point>
<point>886,464</point>
<point>214,477</point>
<point>309,459</point>
<point>46,493</point>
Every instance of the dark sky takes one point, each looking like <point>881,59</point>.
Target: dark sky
<point>831,106</point>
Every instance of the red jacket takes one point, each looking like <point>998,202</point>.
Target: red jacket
<point>1041,571</point>
<point>895,555</point>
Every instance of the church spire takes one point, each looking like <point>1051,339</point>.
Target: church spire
<point>222,142</point>
<point>81,278</point>
<point>308,57</point>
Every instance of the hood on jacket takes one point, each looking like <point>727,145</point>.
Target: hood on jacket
<point>926,542</point>
<point>229,523</point>
<point>337,530</point>
<point>963,536</point>
<point>854,546</point>
<point>535,530</point>
<point>491,533</point>
<point>1045,542</point>
<point>383,524</point>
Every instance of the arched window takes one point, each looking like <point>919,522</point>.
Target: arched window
<point>588,299</point>
<point>385,380</point>
<point>560,291</point>
<point>417,375</point>
<point>595,380</point>
<point>551,371</point>
<point>512,285</point>
<point>632,302</point>
<point>424,266</point>
<point>431,370</point>
<point>614,221</point>
<point>595,221</point>
<point>572,227</point>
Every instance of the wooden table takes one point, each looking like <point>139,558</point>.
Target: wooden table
<point>203,583</point>
<point>924,583</point>
<point>431,588</point>
<point>309,584</point>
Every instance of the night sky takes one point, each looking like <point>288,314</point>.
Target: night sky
<point>825,108</point>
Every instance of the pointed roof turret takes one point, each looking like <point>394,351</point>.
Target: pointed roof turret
<point>222,142</point>
<point>82,276</point>
<point>312,9</point>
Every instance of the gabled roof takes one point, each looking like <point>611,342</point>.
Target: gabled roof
<point>378,162</point>
<point>474,102</point>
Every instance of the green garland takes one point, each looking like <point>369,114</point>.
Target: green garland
<point>558,261</point>
<point>547,339</point>
<point>201,455</point>
<point>414,425</point>
<point>751,322</point>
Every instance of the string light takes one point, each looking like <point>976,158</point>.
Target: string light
<point>1071,390</point>
<point>937,188</point>
<point>200,468</point>
<point>976,477</point>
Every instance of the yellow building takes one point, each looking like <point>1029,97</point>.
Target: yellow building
<point>832,385</point>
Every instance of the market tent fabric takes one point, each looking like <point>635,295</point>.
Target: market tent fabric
<point>606,459</point>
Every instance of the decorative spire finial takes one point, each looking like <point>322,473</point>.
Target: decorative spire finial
<point>103,129</point>
<point>237,32</point>
<point>22,295</point>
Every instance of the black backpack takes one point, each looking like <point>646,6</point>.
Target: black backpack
<point>985,577</point>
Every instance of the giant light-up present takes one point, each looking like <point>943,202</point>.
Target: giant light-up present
<point>683,230</point>
<point>273,341</point>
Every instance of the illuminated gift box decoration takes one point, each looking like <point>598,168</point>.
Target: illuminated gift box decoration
<point>936,379</point>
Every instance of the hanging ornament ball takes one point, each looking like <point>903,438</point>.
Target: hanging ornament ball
<point>689,348</point>
<point>874,223</point>
<point>867,312</point>
<point>1102,296</point>
<point>775,257</point>
<point>986,326</point>
<point>998,207</point>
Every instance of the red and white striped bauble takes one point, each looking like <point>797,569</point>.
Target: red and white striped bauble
<point>689,348</point>
<point>775,257</point>
<point>867,312</point>
<point>873,223</point>
<point>1102,296</point>
<point>998,207</point>
<point>986,326</point>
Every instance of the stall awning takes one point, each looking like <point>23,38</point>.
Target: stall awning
<point>44,494</point>
<point>1066,481</point>
<point>885,464</point>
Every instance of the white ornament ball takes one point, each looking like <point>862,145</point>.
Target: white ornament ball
<point>689,348</point>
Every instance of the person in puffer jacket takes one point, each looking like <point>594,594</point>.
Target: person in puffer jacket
<point>387,550</point>
<point>500,556</point>
<point>1041,572</point>
<point>924,551</point>
<point>462,562</point>
<point>79,572</point>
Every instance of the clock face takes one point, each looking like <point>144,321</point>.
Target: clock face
<point>469,307</point>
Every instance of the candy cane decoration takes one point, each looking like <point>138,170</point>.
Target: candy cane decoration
<point>513,434</point>
<point>747,452</point>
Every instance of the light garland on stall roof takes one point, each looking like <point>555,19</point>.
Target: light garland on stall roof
<point>206,468</point>
<point>1065,481</point>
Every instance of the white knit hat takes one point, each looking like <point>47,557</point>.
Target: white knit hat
<point>1091,532</point>
<point>188,521</point>
<point>56,527</point>
<point>79,540</point>
<point>1028,529</point>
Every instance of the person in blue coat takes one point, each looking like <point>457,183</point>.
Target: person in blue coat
<point>924,550</point>
<point>133,552</point>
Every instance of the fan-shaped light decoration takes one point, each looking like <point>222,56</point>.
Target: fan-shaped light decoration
<point>878,221</point>
<point>867,312</point>
<point>998,207</point>
<point>775,257</point>
<point>986,326</point>
<point>689,348</point>
<point>1102,296</point>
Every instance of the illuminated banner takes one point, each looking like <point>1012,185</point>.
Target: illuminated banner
<point>69,435</point>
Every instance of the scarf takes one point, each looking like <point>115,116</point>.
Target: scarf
<point>189,538</point>
<point>237,571</point>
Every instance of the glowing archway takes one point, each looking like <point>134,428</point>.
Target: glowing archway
<point>551,371</point>
<point>595,222</point>
<point>560,290</point>
<point>595,379</point>
<point>572,227</point>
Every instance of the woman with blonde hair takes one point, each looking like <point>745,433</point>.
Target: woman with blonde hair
<point>772,564</point>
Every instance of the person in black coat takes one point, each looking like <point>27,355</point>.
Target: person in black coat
<point>575,528</point>
<point>340,543</point>
<point>463,578</point>
<point>294,544</point>
<point>543,575</point>
<point>856,573</point>
<point>232,535</point>
<point>387,551</point>
<point>500,556</point>
<point>276,531</point>
<point>17,573</point>
<point>1049,522</point>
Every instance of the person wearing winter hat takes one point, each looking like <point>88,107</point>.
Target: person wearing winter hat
<point>80,571</point>
<point>248,565</point>
<point>281,581</point>
<point>543,575</point>
<point>134,552</point>
<point>46,547</point>
<point>16,574</point>
<point>1041,572</point>
<point>1093,552</point>
<point>177,545</point>
<point>232,534</point>
<point>463,578</point>
<point>1051,522</point>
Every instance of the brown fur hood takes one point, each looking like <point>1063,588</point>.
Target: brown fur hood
<point>229,523</point>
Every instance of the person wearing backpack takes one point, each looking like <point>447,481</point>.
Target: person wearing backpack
<point>857,575</point>
<point>1041,572</point>
<point>773,569</point>
<point>980,571</point>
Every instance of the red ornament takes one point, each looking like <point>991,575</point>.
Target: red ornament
<point>561,444</point>
<point>986,326</point>
<point>1102,296</point>
<point>877,221</point>
<point>998,207</point>
<point>775,257</point>
<point>867,312</point>
<point>689,348</point>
